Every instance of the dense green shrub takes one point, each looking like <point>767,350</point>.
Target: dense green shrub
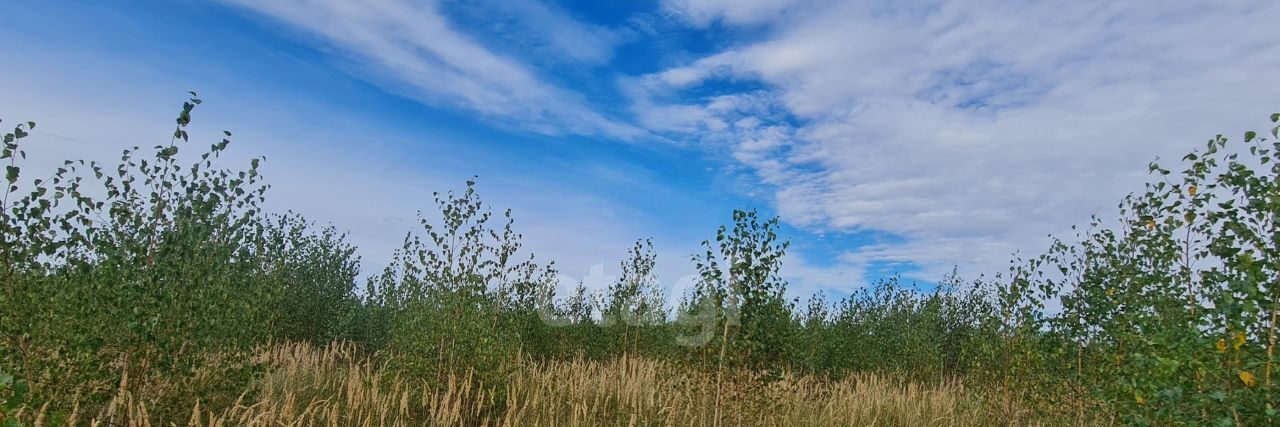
<point>1169,317</point>
<point>140,271</point>
<point>462,295</point>
<point>316,271</point>
<point>633,308</point>
<point>738,313</point>
<point>891,327</point>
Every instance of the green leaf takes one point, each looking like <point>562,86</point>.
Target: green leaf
<point>1275,117</point>
<point>1248,136</point>
<point>11,174</point>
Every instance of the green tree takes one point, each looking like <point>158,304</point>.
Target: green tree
<point>635,303</point>
<point>1169,316</point>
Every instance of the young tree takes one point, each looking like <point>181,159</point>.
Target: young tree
<point>634,303</point>
<point>1170,316</point>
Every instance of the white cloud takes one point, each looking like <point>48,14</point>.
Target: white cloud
<point>703,12</point>
<point>411,47</point>
<point>545,29</point>
<point>974,128</point>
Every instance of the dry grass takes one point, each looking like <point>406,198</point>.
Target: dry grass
<point>334,386</point>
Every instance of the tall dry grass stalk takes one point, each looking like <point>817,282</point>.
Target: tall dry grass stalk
<point>335,385</point>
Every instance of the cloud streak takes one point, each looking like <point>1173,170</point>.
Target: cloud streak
<point>705,12</point>
<point>549,32</point>
<point>411,47</point>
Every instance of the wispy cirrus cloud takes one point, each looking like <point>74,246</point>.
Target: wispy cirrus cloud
<point>971,129</point>
<point>704,12</point>
<point>546,33</point>
<point>413,48</point>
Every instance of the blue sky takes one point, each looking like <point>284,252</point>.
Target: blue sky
<point>889,136</point>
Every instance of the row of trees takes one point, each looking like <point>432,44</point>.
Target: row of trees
<point>142,271</point>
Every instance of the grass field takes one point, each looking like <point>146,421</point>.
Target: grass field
<point>336,386</point>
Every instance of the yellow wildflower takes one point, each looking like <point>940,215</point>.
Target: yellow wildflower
<point>1247,378</point>
<point>1138,398</point>
<point>1221,345</point>
<point>1237,341</point>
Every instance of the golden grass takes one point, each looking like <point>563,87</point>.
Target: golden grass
<point>335,386</point>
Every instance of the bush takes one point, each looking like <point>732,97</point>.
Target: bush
<point>1169,316</point>
<point>455,300</point>
<point>140,271</point>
